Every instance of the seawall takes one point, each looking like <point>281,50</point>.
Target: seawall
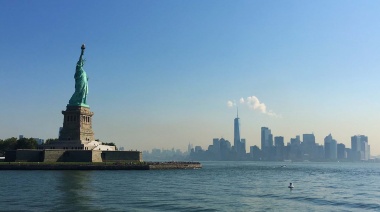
<point>174,165</point>
<point>99,166</point>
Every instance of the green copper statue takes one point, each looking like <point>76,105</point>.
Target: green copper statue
<point>79,98</point>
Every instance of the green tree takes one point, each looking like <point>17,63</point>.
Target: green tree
<point>1,148</point>
<point>8,144</point>
<point>26,143</point>
<point>51,140</point>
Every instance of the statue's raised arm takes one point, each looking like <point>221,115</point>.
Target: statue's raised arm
<point>79,98</point>
<point>83,47</point>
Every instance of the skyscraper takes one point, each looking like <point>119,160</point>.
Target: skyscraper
<point>330,148</point>
<point>243,150</point>
<point>342,154</point>
<point>216,145</point>
<point>239,144</point>
<point>360,150</point>
<point>266,138</point>
<point>268,153</point>
<point>279,141</point>
<point>308,139</point>
<point>225,149</point>
<point>237,132</point>
<point>279,144</point>
<point>308,145</point>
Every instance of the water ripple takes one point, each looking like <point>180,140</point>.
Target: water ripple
<point>219,186</point>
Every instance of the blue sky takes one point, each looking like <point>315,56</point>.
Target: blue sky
<point>161,72</point>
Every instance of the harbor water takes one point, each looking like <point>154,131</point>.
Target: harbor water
<point>218,186</point>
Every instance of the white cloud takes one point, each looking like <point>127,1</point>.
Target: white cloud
<point>241,100</point>
<point>254,103</point>
<point>230,104</point>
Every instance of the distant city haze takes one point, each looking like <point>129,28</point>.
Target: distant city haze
<point>163,74</point>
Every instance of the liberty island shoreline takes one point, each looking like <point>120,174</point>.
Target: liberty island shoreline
<point>100,166</point>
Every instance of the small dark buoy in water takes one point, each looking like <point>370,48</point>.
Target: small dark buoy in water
<point>291,186</point>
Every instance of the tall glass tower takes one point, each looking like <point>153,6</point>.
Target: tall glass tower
<point>266,138</point>
<point>237,132</point>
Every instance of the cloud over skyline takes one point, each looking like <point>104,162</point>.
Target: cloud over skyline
<point>253,103</point>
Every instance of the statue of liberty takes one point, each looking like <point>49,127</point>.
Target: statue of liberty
<point>79,98</point>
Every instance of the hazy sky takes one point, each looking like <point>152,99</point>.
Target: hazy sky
<point>164,73</point>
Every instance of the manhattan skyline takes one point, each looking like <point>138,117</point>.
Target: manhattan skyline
<point>169,73</point>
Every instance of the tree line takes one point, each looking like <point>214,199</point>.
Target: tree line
<point>27,143</point>
<point>14,144</point>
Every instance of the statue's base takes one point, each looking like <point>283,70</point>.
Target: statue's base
<point>69,155</point>
<point>78,145</point>
<point>77,124</point>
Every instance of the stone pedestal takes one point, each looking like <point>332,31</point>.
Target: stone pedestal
<point>77,124</point>
<point>76,133</point>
